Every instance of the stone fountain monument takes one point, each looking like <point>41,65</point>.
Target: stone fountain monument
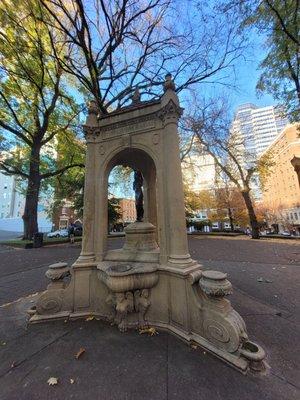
<point>152,280</point>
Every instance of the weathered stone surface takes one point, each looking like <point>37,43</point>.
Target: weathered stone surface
<point>152,279</point>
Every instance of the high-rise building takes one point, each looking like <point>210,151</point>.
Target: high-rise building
<point>11,201</point>
<point>258,126</point>
<point>255,128</point>
<point>199,172</point>
<point>12,204</point>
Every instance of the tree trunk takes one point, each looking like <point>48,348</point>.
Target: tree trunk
<point>251,214</point>
<point>32,195</point>
<point>230,219</point>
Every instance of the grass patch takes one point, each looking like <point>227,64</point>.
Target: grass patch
<point>46,242</point>
<point>216,233</point>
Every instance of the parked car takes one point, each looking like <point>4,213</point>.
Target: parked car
<point>58,233</point>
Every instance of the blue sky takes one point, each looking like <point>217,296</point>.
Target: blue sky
<point>247,73</point>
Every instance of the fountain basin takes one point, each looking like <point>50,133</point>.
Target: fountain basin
<point>124,277</point>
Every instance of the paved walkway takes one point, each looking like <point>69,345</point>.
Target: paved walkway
<point>132,366</point>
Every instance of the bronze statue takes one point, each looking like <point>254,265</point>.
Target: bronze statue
<point>139,196</point>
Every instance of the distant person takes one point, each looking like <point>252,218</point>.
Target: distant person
<point>71,234</point>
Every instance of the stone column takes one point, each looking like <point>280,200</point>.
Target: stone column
<point>177,246</point>
<point>87,254</point>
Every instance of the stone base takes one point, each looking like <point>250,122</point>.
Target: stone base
<point>140,245</point>
<point>188,303</point>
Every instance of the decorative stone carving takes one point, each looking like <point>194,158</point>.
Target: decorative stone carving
<point>101,150</point>
<point>120,278</point>
<point>222,325</point>
<point>50,301</point>
<point>169,83</point>
<point>140,236</point>
<point>141,305</point>
<point>136,97</point>
<point>129,286</point>
<point>155,139</point>
<point>93,111</point>
<point>57,271</point>
<point>134,125</point>
<point>90,133</point>
<point>111,301</point>
<point>126,140</point>
<point>170,112</point>
<point>124,305</point>
<point>214,283</point>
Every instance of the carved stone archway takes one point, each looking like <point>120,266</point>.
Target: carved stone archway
<point>152,280</point>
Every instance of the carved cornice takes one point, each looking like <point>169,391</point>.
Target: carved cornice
<point>90,132</point>
<point>170,112</point>
<point>128,123</point>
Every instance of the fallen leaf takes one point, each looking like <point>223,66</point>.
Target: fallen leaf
<point>79,353</point>
<point>194,346</point>
<point>151,331</point>
<point>52,381</point>
<point>72,381</point>
<point>90,318</point>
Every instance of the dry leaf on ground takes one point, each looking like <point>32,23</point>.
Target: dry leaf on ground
<point>79,353</point>
<point>52,381</point>
<point>150,331</point>
<point>90,318</point>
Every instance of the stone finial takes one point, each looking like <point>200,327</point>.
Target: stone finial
<point>136,97</point>
<point>215,284</point>
<point>92,107</point>
<point>57,271</point>
<point>169,83</point>
<point>93,111</point>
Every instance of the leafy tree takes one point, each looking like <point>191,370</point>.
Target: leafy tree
<point>211,125</point>
<point>114,213</point>
<point>35,107</point>
<point>70,186</point>
<point>279,23</point>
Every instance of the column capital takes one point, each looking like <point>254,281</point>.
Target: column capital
<point>170,113</point>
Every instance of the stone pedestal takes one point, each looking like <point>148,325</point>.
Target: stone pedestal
<point>140,245</point>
